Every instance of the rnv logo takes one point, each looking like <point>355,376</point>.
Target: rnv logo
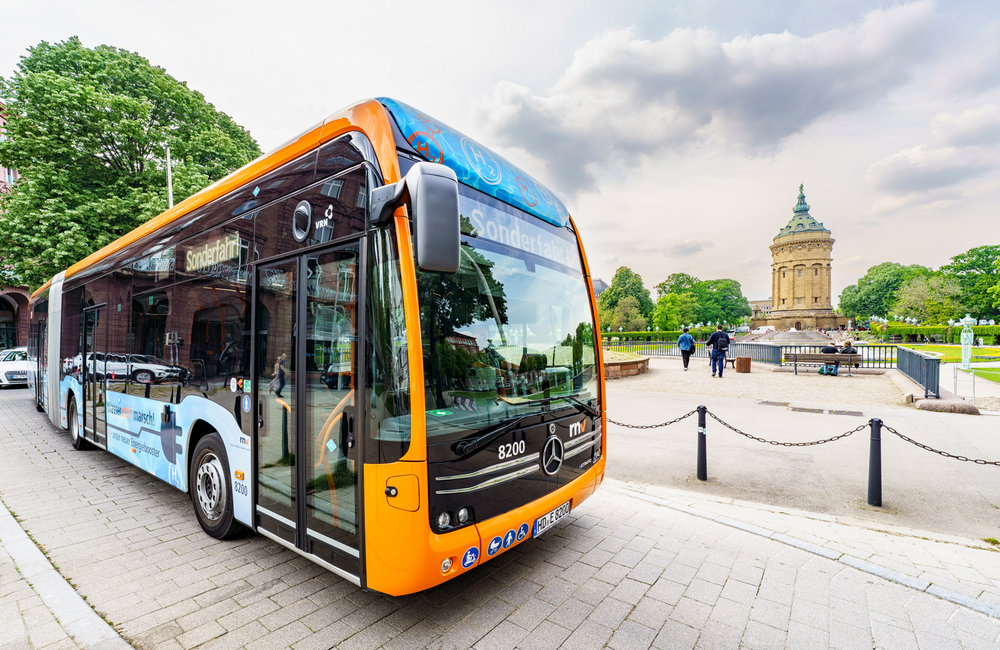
<point>575,429</point>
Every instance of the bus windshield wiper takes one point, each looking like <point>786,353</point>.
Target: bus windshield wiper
<point>585,406</point>
<point>469,445</point>
<point>547,400</point>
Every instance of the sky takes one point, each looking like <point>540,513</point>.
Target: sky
<point>676,133</point>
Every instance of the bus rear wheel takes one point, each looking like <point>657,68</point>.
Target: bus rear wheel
<point>209,486</point>
<point>75,433</point>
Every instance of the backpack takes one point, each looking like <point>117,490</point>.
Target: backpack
<point>723,343</point>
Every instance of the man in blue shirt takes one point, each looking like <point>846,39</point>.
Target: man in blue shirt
<point>685,343</point>
<point>719,342</point>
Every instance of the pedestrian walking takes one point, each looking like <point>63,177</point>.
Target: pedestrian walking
<point>279,374</point>
<point>685,343</point>
<point>719,343</point>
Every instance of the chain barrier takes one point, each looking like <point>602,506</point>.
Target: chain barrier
<point>653,426</point>
<point>860,427</point>
<point>977,461</point>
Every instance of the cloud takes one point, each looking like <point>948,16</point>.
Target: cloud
<point>623,97</point>
<point>687,247</point>
<point>976,127</point>
<point>967,147</point>
<point>922,169</point>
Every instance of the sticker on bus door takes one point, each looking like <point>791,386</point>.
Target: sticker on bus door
<point>138,433</point>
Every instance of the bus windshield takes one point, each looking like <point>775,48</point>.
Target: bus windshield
<point>510,334</point>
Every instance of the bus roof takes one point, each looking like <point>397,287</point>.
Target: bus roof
<point>474,164</point>
<point>368,117</point>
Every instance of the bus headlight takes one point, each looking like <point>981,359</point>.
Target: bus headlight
<point>446,565</point>
<point>463,515</point>
<point>444,520</point>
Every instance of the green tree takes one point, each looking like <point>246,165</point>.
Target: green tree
<point>875,293</point>
<point>628,316</point>
<point>674,310</point>
<point>930,299</point>
<point>976,272</point>
<point>676,283</point>
<point>88,130</point>
<point>626,283</point>
<point>721,300</point>
<point>995,290</point>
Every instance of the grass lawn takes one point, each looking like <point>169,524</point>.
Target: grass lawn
<point>617,356</point>
<point>993,374</point>
<point>953,353</point>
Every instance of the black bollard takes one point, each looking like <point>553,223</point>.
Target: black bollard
<point>702,454</point>
<point>875,465</point>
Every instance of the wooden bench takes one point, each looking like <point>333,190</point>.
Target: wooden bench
<point>825,358</point>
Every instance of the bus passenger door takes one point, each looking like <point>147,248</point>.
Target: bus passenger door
<point>94,339</point>
<point>306,321</point>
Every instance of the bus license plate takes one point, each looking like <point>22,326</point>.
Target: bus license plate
<point>549,519</point>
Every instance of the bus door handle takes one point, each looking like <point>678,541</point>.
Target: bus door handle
<point>260,414</point>
<point>347,432</point>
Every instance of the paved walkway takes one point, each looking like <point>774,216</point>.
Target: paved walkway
<point>634,567</point>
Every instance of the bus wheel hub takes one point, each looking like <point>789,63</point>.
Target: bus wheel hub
<point>211,493</point>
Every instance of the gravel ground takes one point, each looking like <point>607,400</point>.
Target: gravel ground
<point>668,376</point>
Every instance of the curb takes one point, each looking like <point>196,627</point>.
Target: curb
<point>75,616</point>
<point>878,570</point>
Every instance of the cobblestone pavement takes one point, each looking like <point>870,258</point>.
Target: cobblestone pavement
<point>966,566</point>
<point>620,572</point>
<point>25,621</point>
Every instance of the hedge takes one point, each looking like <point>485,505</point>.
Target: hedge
<point>989,333</point>
<point>697,333</point>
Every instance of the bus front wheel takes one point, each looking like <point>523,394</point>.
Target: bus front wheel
<point>209,485</point>
<point>75,434</point>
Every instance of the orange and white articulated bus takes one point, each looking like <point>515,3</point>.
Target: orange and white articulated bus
<point>376,346</point>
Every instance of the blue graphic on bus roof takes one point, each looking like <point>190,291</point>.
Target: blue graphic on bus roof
<point>474,164</point>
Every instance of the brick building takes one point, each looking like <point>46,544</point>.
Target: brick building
<point>13,298</point>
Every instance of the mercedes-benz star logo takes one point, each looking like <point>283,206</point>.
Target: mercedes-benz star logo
<point>552,455</point>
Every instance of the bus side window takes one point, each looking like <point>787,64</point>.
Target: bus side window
<point>119,315</point>
<point>387,376</point>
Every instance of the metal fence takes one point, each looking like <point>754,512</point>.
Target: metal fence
<point>762,352</point>
<point>872,356</point>
<point>921,368</point>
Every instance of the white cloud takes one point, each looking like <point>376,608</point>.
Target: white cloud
<point>935,176</point>
<point>687,247</point>
<point>922,168</point>
<point>623,97</point>
<point>976,127</point>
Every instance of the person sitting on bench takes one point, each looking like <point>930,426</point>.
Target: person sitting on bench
<point>826,369</point>
<point>849,349</point>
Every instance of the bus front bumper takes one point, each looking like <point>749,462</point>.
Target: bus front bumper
<point>403,555</point>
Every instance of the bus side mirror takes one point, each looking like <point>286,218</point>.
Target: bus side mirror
<point>431,193</point>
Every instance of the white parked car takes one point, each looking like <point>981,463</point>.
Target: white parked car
<point>14,367</point>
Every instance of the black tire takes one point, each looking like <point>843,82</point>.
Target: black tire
<point>75,432</point>
<point>38,407</point>
<point>143,377</point>
<point>208,482</point>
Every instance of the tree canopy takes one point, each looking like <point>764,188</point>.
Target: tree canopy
<point>676,283</point>
<point>875,293</point>
<point>87,130</point>
<point>932,298</point>
<point>977,273</point>
<point>969,283</point>
<point>626,283</point>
